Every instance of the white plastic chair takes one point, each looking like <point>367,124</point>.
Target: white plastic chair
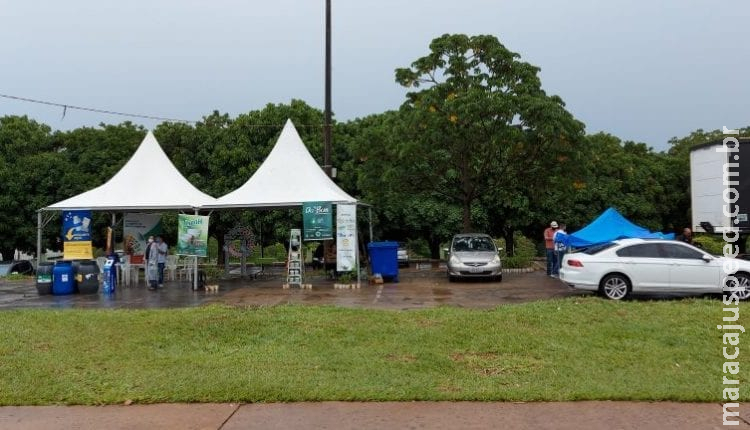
<point>185,269</point>
<point>124,270</point>
<point>171,267</point>
<point>100,261</point>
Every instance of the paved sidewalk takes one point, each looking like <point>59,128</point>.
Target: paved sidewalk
<point>385,415</point>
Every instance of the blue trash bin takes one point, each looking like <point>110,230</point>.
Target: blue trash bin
<point>63,281</point>
<point>384,259</point>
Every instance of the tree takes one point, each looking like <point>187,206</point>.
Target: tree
<point>29,171</point>
<point>479,125</point>
<point>401,211</point>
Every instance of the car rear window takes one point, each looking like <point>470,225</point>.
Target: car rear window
<point>595,249</point>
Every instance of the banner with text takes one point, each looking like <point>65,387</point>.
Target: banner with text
<point>76,233</point>
<point>317,221</point>
<point>346,237</point>
<point>137,227</point>
<point>192,235</point>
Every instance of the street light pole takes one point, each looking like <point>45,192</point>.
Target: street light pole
<point>327,124</point>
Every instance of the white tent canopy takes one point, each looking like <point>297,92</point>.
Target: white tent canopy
<point>288,177</point>
<point>148,181</point>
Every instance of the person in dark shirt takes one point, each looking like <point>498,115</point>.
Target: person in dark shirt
<point>686,236</point>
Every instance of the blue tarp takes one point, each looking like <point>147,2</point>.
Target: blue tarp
<point>609,226</point>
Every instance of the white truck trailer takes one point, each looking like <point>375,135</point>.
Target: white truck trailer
<point>720,187</point>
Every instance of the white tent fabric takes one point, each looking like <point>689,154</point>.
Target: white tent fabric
<point>288,177</point>
<point>148,181</point>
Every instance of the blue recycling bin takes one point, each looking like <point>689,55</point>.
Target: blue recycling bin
<point>384,259</point>
<point>63,281</point>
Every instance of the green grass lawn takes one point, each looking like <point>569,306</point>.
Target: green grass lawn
<point>572,349</point>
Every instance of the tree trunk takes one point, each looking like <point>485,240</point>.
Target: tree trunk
<point>510,245</point>
<point>219,234</point>
<point>434,248</point>
<point>467,216</point>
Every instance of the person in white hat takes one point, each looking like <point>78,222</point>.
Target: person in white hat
<point>549,246</point>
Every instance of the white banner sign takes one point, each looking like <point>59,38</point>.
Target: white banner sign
<point>346,237</point>
<point>137,227</point>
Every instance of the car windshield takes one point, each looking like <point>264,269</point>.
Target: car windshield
<point>473,243</point>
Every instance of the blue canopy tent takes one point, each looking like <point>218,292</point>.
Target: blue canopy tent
<point>609,226</point>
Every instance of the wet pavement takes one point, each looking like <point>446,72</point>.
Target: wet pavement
<point>416,289</point>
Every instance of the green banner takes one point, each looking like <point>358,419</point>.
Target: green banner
<point>317,218</point>
<point>192,235</point>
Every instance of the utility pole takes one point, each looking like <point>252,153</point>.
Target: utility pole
<point>327,125</point>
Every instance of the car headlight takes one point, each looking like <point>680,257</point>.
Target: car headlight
<point>495,260</point>
<point>453,260</point>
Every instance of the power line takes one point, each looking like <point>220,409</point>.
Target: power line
<point>132,115</point>
<point>108,112</point>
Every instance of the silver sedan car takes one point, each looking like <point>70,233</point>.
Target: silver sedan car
<point>474,255</point>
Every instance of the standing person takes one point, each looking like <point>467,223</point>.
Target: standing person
<point>549,246</point>
<point>152,264</point>
<point>147,256</point>
<point>560,240</point>
<point>161,259</point>
<point>687,236</point>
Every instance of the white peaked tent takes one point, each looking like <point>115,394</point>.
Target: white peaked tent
<point>288,177</point>
<point>148,181</point>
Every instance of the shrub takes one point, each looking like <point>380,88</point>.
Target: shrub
<point>525,250</point>
<point>213,249</point>
<point>516,262</point>
<point>524,247</point>
<point>212,272</point>
<point>711,243</point>
<point>275,251</point>
<point>418,248</point>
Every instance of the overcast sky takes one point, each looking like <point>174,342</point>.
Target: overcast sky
<point>641,70</point>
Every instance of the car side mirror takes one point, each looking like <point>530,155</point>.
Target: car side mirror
<point>706,258</point>
<point>499,249</point>
<point>446,250</point>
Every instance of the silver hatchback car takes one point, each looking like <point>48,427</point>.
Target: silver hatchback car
<point>474,255</point>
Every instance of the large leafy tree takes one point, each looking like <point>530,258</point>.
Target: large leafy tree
<point>401,210</point>
<point>477,124</point>
<point>30,171</point>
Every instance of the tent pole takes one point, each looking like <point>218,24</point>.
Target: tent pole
<point>356,246</point>
<point>369,211</point>
<point>195,268</point>
<point>38,238</point>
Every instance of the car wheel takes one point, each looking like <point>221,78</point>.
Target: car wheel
<point>615,287</point>
<point>499,278</point>
<point>743,281</point>
<point>451,278</point>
